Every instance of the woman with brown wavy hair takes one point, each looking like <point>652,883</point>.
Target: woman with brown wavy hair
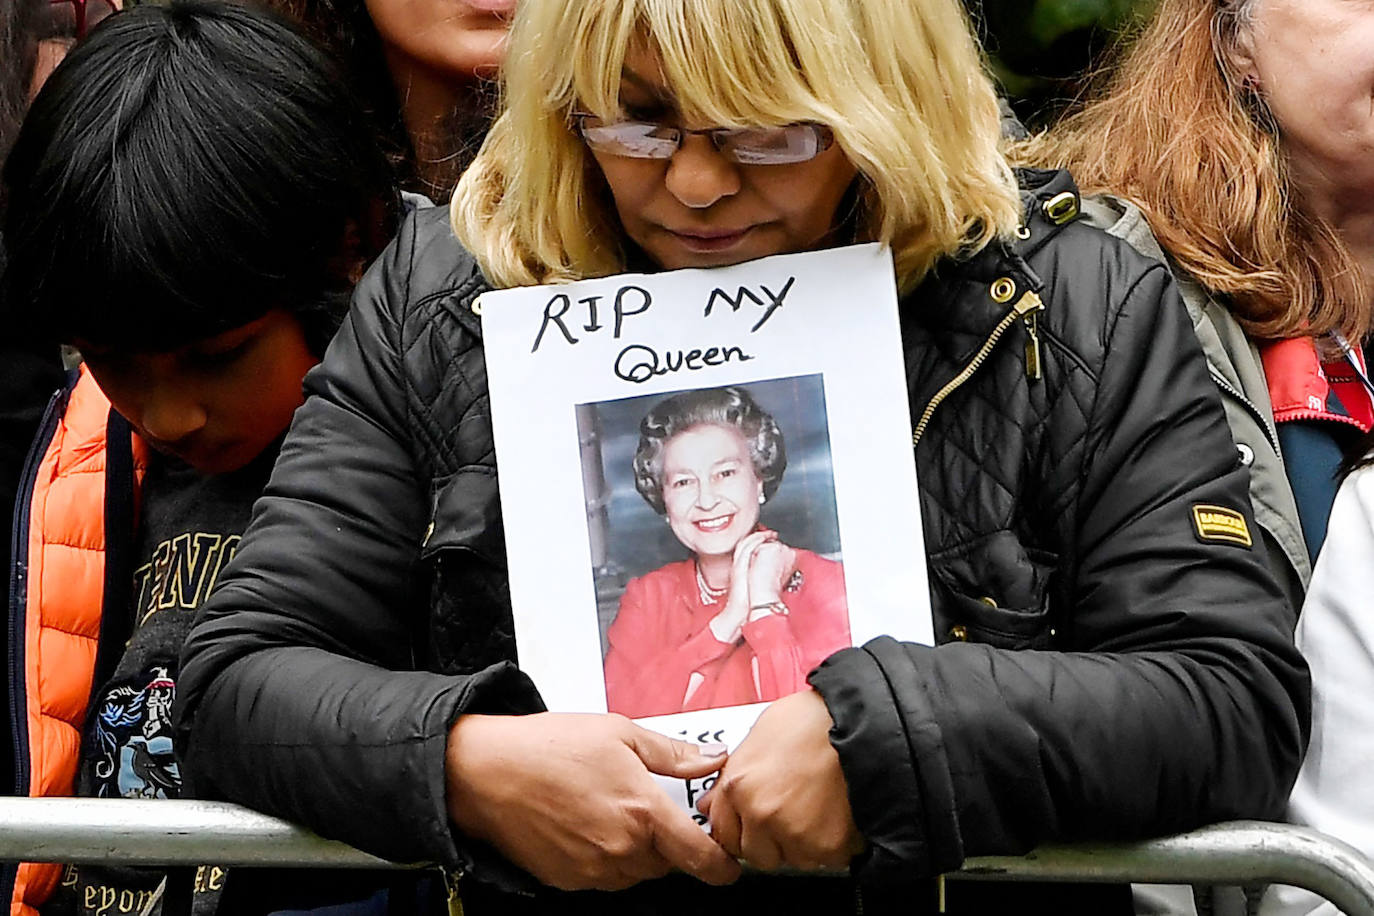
<point>1236,136</point>
<point>1242,132</point>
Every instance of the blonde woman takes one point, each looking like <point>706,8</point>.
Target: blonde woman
<point>1080,499</point>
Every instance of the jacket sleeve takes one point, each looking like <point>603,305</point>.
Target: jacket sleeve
<point>1335,787</point>
<point>295,696</point>
<point>1175,696</point>
<point>778,658</point>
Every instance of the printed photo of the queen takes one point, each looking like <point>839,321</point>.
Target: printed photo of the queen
<point>757,601</point>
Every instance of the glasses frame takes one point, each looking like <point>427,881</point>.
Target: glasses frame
<point>79,7</point>
<point>825,136</point>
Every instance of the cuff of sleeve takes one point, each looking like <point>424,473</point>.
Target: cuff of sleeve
<point>892,754</point>
<point>768,632</point>
<point>500,689</point>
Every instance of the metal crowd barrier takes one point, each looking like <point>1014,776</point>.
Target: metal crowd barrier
<point>131,832</point>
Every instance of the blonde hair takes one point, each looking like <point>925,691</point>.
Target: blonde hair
<point>901,83</point>
<point>1181,135</point>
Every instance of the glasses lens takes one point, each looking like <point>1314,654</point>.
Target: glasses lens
<point>770,145</point>
<point>638,139</point>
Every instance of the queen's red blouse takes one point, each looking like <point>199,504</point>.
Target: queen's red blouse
<point>660,638</point>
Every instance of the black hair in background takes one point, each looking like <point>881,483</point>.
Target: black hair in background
<point>186,169</point>
<point>18,52</point>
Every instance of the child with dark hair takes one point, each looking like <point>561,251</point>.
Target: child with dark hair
<point>190,200</point>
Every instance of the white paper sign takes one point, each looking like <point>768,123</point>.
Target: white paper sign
<point>621,543</point>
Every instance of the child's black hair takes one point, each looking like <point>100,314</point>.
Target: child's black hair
<point>185,170</point>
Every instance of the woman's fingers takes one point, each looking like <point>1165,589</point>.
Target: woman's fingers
<point>744,550</point>
<point>570,799</point>
<point>670,757</point>
<point>677,838</point>
<point>782,799</point>
<point>772,566</point>
<point>725,823</point>
<point>682,843</point>
<point>758,847</point>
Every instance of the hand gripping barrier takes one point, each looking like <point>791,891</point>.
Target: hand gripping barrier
<point>132,832</point>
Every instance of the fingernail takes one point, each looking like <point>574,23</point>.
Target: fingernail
<point>713,749</point>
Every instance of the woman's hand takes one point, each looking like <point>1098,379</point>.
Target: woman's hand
<point>569,798</point>
<point>772,567</point>
<point>727,624</point>
<point>781,799</point>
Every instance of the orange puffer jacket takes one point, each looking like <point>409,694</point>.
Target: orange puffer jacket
<point>56,599</point>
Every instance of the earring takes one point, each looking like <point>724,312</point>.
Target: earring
<point>762,499</point>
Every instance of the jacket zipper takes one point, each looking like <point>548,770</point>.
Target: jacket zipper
<point>1269,433</point>
<point>1026,309</point>
<point>18,582</point>
<point>455,898</point>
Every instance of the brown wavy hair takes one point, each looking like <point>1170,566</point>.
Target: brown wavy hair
<point>1181,134</point>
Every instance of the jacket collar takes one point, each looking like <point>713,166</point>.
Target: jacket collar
<point>955,305</point>
<point>1303,386</point>
<point>953,302</point>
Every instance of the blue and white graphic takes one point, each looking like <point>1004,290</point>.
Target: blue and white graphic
<point>133,741</point>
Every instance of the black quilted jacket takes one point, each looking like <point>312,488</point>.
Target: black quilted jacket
<point>1106,670</point>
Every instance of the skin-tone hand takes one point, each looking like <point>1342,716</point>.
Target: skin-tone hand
<point>569,798</point>
<point>726,625</point>
<point>781,800</point>
<point>772,566</point>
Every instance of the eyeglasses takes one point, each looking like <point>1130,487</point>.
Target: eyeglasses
<point>74,18</point>
<point>744,145</point>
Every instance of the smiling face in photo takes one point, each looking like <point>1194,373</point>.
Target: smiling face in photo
<point>711,491</point>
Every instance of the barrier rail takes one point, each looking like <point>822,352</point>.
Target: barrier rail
<point>131,832</point>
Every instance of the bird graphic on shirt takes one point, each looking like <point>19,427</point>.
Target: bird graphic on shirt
<point>156,768</point>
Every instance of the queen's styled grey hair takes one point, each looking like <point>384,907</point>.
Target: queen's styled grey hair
<point>732,407</point>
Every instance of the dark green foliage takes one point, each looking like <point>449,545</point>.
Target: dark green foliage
<point>1042,50</point>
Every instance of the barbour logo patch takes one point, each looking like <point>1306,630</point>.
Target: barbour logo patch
<point>1218,523</point>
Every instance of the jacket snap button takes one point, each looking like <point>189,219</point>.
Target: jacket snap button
<point>959,632</point>
<point>476,306</point>
<point>1247,454</point>
<point>1061,208</point>
<point>988,601</point>
<point>1002,289</point>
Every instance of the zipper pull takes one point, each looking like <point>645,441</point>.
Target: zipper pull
<point>1029,307</point>
<point>1033,371</point>
<point>455,900</point>
<point>940,889</point>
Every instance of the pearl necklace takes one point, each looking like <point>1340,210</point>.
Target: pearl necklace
<point>708,594</point>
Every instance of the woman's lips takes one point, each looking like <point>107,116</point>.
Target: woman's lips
<point>709,240</point>
<point>501,7</point>
<point>712,525</point>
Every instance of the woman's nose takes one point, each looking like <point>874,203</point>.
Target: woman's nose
<point>706,497</point>
<point>698,175</point>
